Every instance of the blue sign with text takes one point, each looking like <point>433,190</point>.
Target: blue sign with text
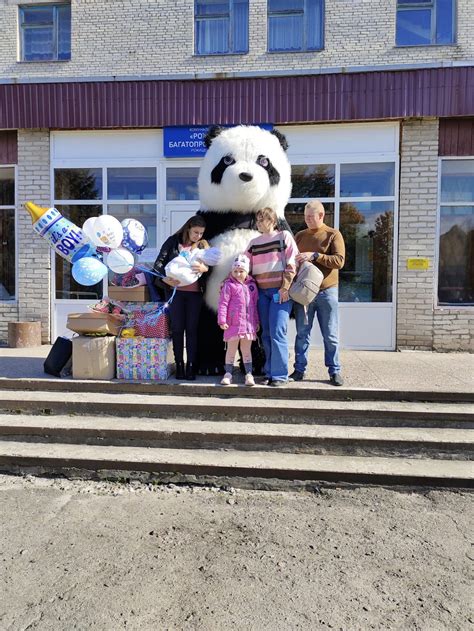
<point>188,142</point>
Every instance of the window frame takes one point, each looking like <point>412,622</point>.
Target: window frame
<point>443,305</point>
<point>290,12</point>
<point>104,201</point>
<point>432,5</point>
<point>230,34</point>
<point>14,299</point>
<point>55,26</point>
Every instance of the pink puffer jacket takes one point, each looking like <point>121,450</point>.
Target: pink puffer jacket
<point>238,307</point>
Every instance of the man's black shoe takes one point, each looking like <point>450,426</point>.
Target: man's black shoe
<point>336,379</point>
<point>296,375</point>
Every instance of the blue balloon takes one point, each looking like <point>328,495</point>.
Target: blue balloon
<point>85,250</point>
<point>135,237</point>
<point>88,271</point>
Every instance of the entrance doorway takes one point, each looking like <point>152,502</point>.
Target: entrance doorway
<point>351,168</point>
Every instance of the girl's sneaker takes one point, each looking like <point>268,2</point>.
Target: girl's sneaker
<point>249,380</point>
<point>226,379</point>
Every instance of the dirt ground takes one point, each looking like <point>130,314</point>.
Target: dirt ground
<point>102,555</point>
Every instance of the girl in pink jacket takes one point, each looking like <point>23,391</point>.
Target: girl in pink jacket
<point>237,316</point>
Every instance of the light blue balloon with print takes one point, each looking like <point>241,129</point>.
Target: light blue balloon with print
<point>88,271</point>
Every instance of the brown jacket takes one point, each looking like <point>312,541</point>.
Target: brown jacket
<point>329,244</point>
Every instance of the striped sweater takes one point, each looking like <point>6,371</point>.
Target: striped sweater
<point>266,261</point>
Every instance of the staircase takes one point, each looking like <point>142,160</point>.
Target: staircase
<point>258,437</point>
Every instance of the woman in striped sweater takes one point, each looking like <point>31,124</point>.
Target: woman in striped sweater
<point>273,266</point>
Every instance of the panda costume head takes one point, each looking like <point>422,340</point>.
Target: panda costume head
<point>244,169</point>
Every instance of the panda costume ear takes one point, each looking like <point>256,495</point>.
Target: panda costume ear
<point>281,139</point>
<point>212,133</point>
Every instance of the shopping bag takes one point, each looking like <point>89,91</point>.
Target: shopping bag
<point>59,357</point>
<point>149,324</point>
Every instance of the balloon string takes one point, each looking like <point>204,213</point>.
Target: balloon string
<point>151,316</point>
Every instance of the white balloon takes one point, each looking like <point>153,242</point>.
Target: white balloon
<point>120,261</point>
<point>106,231</point>
<point>88,228</point>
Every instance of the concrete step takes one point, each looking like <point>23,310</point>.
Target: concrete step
<point>192,434</point>
<point>207,386</point>
<point>255,465</point>
<point>241,409</point>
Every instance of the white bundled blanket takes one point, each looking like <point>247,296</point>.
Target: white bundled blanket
<point>180,268</point>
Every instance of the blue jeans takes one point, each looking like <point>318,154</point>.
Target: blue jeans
<point>274,322</point>
<point>325,306</point>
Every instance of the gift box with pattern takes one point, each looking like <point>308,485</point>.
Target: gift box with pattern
<point>142,358</point>
<point>150,319</point>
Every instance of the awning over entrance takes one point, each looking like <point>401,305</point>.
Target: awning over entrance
<point>437,92</point>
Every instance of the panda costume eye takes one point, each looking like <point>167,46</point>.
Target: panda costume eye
<point>219,170</point>
<point>266,164</point>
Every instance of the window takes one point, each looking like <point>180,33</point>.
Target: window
<point>221,26</point>
<point>425,22</point>
<point>119,191</point>
<point>45,32</point>
<point>456,234</point>
<point>359,199</point>
<point>7,233</point>
<point>295,25</point>
<point>182,183</point>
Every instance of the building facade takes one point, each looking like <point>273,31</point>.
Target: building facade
<point>103,107</point>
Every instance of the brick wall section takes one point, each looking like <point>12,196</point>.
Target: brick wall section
<point>420,324</point>
<point>453,329</point>
<point>417,233</point>
<point>34,266</point>
<point>33,254</point>
<point>8,313</point>
<point>156,37</point>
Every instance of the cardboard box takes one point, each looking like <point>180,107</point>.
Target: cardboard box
<point>130,294</point>
<point>93,357</point>
<point>143,358</point>
<point>95,322</point>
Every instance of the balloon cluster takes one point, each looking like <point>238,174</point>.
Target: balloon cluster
<point>118,243</point>
<point>101,244</point>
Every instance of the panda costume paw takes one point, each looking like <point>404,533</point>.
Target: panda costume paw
<point>245,169</point>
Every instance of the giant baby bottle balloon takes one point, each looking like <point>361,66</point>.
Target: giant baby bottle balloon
<point>67,239</point>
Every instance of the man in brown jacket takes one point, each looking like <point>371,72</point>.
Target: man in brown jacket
<point>325,247</point>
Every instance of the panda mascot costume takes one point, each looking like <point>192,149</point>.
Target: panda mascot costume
<point>244,169</point>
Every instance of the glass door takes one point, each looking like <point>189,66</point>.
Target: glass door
<point>181,193</point>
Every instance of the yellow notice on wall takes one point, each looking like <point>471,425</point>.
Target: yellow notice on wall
<point>418,263</point>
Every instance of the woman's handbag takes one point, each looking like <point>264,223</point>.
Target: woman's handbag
<point>307,282</point>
